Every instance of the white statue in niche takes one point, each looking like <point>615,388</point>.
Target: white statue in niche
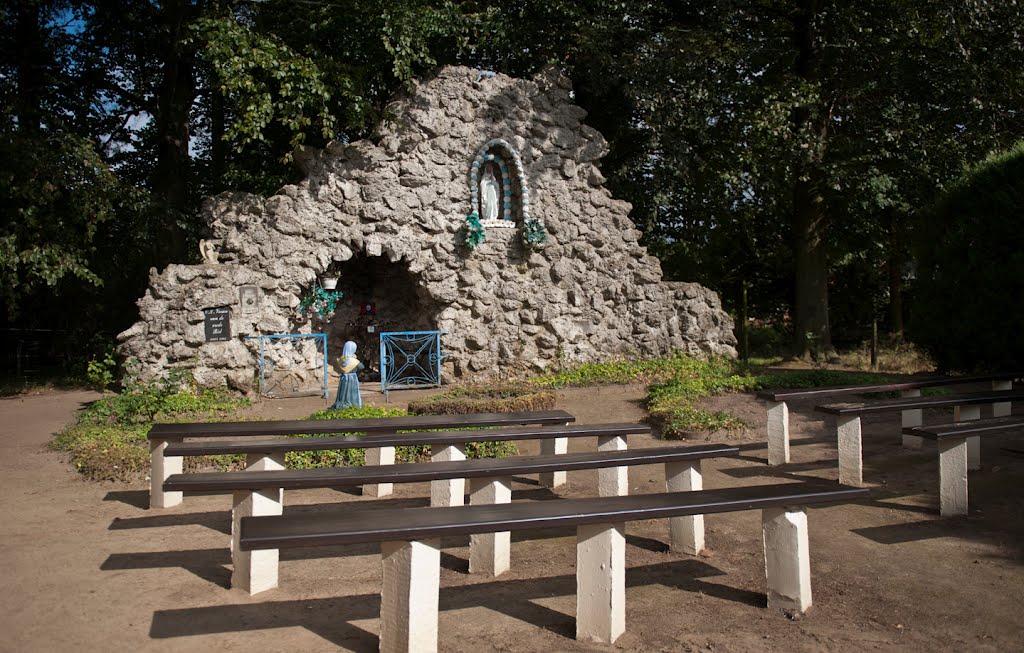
<point>488,194</point>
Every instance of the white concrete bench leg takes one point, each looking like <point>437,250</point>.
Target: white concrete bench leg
<point>600,582</point>
<point>952,477</point>
<point>1003,408</point>
<point>686,534</point>
<point>160,468</point>
<point>964,414</point>
<point>255,571</point>
<point>848,435</point>
<point>409,594</point>
<point>489,553</point>
<point>612,481</point>
<point>452,491</point>
<point>379,456</point>
<point>553,447</point>
<point>787,559</point>
<point>778,432</point>
<point>912,417</point>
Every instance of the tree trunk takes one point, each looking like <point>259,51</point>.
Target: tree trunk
<point>812,336</point>
<point>174,105</point>
<point>894,264</point>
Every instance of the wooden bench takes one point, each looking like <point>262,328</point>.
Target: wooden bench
<point>952,440</point>
<point>848,424</point>
<point>410,548</point>
<point>778,409</point>
<point>163,465</point>
<point>261,493</point>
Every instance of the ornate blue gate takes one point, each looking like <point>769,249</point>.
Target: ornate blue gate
<point>410,359</point>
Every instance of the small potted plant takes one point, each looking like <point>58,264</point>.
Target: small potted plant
<point>321,303</point>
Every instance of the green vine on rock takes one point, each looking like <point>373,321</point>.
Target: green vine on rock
<point>475,232</point>
<point>534,233</point>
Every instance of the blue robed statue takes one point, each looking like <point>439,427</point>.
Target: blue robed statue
<point>348,385</point>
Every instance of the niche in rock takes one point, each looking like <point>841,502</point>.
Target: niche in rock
<point>378,296</point>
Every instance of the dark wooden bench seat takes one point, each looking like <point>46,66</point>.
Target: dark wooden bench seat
<point>338,477</point>
<point>952,439</point>
<point>778,409</point>
<point>261,493</point>
<point>410,550</point>
<point>847,425</point>
<point>163,435</point>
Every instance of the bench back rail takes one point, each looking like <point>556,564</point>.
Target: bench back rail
<point>778,409</point>
<point>163,435</point>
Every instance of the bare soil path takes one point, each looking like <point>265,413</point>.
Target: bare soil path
<point>88,567</point>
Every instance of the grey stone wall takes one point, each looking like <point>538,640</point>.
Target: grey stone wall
<point>388,213</point>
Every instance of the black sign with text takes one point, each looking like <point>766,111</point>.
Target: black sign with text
<point>218,324</point>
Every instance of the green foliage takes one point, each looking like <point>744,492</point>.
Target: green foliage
<point>534,233</point>
<point>100,370</point>
<point>56,191</point>
<point>816,378</point>
<point>970,250</point>
<point>642,370</point>
<point>473,231</point>
<point>266,80</point>
<point>409,454</point>
<point>319,304</point>
<point>106,452</point>
<point>484,398</point>
<point>166,398</point>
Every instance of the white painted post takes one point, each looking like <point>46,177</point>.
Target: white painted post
<point>612,481</point>
<point>952,477</point>
<point>787,559</point>
<point>964,414</point>
<point>160,468</point>
<point>489,553</point>
<point>600,582</point>
<point>409,594</point>
<point>452,491</point>
<point>848,435</point>
<point>379,456</point>
<point>255,571</point>
<point>1002,408</point>
<point>912,417</point>
<point>686,534</point>
<point>778,432</point>
<point>553,447</point>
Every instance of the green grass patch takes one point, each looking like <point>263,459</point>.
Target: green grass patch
<point>678,381</point>
<point>485,398</point>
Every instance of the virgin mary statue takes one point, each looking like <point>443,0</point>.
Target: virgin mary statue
<point>489,195</point>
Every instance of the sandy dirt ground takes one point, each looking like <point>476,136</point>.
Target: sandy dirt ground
<point>88,567</point>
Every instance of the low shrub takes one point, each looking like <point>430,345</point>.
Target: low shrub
<point>485,398</point>
<point>409,454</point>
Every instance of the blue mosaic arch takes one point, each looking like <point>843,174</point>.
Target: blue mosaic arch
<point>500,152</point>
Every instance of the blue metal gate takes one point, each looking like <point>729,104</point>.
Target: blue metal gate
<point>410,359</point>
<point>272,365</point>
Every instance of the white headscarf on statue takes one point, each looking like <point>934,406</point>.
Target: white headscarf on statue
<point>349,362</point>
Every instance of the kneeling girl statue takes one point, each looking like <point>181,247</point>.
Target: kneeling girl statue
<point>348,385</point>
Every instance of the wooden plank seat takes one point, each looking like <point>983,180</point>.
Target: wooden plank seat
<point>778,408</point>
<point>952,440</point>
<point>163,435</point>
<point>847,426</point>
<point>410,549</point>
<point>261,493</point>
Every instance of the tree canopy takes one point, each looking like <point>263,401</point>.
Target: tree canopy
<point>784,147</point>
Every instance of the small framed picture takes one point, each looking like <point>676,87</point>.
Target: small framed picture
<point>249,298</point>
